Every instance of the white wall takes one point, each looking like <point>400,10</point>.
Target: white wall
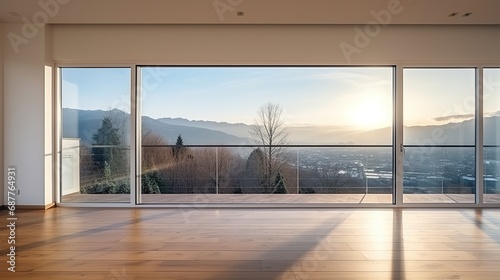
<point>277,44</point>
<point>2,185</point>
<point>28,89</point>
<point>48,120</point>
<point>24,114</point>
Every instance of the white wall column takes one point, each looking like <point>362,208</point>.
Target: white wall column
<point>48,101</point>
<point>24,112</point>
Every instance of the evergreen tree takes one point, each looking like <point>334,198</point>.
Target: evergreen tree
<point>149,183</point>
<point>113,156</point>
<point>179,147</point>
<point>256,161</point>
<point>179,141</point>
<point>254,176</point>
<point>279,184</point>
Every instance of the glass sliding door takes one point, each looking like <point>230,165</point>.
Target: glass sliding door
<point>491,134</point>
<point>439,135</point>
<point>266,134</point>
<point>95,130</point>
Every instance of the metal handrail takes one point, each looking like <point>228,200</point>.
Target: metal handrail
<point>267,146</point>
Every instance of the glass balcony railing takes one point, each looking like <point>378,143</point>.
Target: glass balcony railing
<point>491,171</point>
<point>353,174</point>
<point>88,171</point>
<point>439,174</point>
<point>291,169</point>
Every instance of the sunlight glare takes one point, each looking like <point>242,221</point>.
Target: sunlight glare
<point>371,112</point>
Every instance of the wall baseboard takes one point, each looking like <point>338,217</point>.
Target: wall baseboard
<point>32,207</point>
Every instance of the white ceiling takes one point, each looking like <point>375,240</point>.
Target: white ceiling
<point>255,11</point>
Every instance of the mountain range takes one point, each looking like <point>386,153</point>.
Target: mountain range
<point>84,123</point>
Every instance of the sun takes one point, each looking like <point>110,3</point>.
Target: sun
<point>371,111</point>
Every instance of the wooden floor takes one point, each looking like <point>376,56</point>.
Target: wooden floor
<point>280,198</point>
<point>219,244</point>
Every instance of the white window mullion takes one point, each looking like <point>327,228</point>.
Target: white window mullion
<point>398,136</point>
<point>135,173</point>
<point>479,136</point>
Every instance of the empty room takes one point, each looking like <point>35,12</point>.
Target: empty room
<point>250,139</point>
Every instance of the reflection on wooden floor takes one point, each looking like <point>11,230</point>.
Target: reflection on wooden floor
<point>280,198</point>
<point>231,244</point>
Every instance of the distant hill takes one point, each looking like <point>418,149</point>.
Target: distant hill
<point>297,135</point>
<point>191,135</point>
<point>491,130</point>
<point>236,129</point>
<point>461,133</point>
<point>83,124</point>
<point>324,135</point>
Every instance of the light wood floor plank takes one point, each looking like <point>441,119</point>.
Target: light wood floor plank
<point>357,266</point>
<point>111,244</point>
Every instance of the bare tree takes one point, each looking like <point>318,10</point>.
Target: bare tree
<point>154,158</point>
<point>269,130</point>
<point>214,169</point>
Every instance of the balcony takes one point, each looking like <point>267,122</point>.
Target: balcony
<point>310,174</point>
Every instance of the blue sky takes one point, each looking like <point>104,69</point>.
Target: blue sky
<point>307,95</point>
<point>438,93</point>
<point>96,88</point>
<point>347,96</point>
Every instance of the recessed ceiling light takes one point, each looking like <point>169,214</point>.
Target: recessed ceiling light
<point>14,14</point>
<point>467,14</point>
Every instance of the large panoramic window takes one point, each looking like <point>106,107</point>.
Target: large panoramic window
<point>491,123</point>
<point>277,134</point>
<point>95,144</point>
<point>266,134</point>
<point>439,135</point>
